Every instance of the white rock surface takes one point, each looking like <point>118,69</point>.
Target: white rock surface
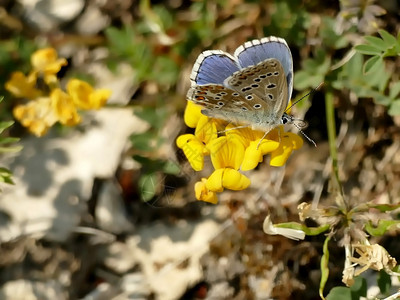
<point>47,14</point>
<point>54,175</point>
<point>29,290</point>
<point>169,256</point>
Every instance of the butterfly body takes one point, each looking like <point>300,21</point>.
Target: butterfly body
<point>250,88</point>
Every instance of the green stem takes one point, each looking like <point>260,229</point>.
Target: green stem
<point>330,123</point>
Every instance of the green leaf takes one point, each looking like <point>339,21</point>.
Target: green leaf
<point>143,141</point>
<point>302,227</point>
<point>150,165</point>
<point>378,78</point>
<point>339,293</point>
<point>384,207</point>
<point>355,292</point>
<point>381,207</point>
<point>8,140</point>
<point>368,49</point>
<point>389,39</point>
<point>171,168</point>
<point>157,165</point>
<point>165,70</point>
<point>376,42</point>
<point>10,149</point>
<point>384,282</point>
<point>372,64</point>
<point>304,80</point>
<point>382,227</point>
<point>4,125</point>
<point>394,89</point>
<point>353,68</point>
<point>359,288</point>
<point>324,267</point>
<point>313,71</point>
<point>148,186</point>
<point>121,40</point>
<point>330,36</point>
<point>394,109</point>
<point>154,116</point>
<point>379,98</point>
<point>6,176</point>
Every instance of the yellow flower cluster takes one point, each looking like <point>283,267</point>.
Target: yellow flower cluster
<point>46,102</point>
<point>230,149</point>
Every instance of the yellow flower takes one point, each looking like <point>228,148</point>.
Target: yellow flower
<point>84,96</point>
<point>194,146</point>
<point>64,108</point>
<point>255,150</point>
<point>42,112</point>
<point>203,193</point>
<point>36,115</point>
<point>46,62</point>
<point>230,149</point>
<point>227,154</point>
<point>192,114</point>
<point>288,142</point>
<point>193,149</point>
<point>206,130</point>
<point>22,86</point>
<point>227,178</point>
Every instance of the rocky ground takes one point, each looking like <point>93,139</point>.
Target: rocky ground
<point>74,227</point>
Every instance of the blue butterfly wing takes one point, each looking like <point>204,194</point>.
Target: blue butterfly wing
<point>253,52</point>
<point>213,67</point>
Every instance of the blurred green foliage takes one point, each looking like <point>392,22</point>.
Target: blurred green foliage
<point>156,45</point>
<point>6,147</point>
<point>355,292</point>
<point>145,146</point>
<point>380,48</point>
<point>151,181</point>
<point>289,20</point>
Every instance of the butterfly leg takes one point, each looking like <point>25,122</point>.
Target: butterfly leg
<point>265,134</point>
<point>238,127</point>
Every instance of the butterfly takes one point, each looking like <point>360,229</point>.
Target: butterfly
<point>251,88</point>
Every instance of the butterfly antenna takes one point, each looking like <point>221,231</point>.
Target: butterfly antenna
<point>306,95</point>
<point>305,135</point>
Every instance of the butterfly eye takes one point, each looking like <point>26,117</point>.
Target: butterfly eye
<point>271,86</point>
<point>254,85</point>
<point>257,106</point>
<point>249,97</point>
<point>244,108</point>
<point>235,94</point>
<point>257,79</point>
<point>269,74</point>
<point>220,103</point>
<point>263,76</point>
<point>223,93</point>
<point>270,96</point>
